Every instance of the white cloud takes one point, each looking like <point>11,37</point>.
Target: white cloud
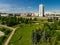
<point>9,8</point>
<point>4,6</point>
<point>29,7</point>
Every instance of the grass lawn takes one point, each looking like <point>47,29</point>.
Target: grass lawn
<point>23,35</point>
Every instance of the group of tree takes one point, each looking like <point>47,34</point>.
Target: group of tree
<point>45,36</point>
<point>52,19</point>
<point>11,21</point>
<point>55,23</point>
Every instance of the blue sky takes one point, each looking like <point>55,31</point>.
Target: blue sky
<point>28,5</point>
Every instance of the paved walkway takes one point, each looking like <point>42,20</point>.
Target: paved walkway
<point>9,38</point>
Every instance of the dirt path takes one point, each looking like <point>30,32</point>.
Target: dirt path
<point>9,38</point>
<point>7,27</point>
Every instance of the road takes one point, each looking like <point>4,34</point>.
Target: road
<point>12,33</point>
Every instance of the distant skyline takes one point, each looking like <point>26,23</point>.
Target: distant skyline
<point>28,5</point>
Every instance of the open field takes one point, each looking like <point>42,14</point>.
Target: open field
<point>26,26</point>
<point>23,35</point>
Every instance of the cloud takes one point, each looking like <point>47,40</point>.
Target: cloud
<point>9,8</point>
<point>4,6</point>
<point>13,9</point>
<point>29,7</point>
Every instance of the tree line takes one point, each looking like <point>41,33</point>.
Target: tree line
<point>12,21</point>
<point>45,36</point>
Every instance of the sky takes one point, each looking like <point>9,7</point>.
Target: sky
<point>18,6</point>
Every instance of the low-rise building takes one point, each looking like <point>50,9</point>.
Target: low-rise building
<point>52,14</point>
<point>4,14</point>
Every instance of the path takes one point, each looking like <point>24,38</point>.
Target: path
<point>7,27</point>
<point>9,38</point>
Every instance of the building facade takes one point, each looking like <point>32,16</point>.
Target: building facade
<point>41,10</point>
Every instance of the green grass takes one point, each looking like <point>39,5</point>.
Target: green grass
<point>23,35</point>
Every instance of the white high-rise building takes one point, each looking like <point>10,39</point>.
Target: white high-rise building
<point>41,10</point>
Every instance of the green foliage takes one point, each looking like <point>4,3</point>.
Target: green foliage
<point>1,39</point>
<point>27,34</point>
<point>4,38</point>
<point>50,20</point>
<point>12,21</point>
<point>35,19</point>
<point>44,37</point>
